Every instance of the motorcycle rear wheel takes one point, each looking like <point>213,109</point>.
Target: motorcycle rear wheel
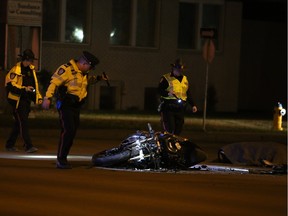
<point>111,157</point>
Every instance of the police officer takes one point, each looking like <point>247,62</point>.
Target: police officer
<point>174,95</point>
<point>22,88</point>
<point>69,85</point>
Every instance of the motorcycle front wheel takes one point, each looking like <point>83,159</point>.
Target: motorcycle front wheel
<point>110,158</point>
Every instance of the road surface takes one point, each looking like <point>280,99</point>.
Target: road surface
<point>34,187</point>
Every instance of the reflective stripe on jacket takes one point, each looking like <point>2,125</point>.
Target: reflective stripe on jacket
<point>15,77</point>
<point>71,77</point>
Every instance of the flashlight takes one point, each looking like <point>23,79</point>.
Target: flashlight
<point>179,100</point>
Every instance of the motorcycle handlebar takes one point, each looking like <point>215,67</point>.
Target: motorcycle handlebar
<point>150,130</point>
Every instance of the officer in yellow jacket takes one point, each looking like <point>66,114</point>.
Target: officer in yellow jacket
<point>22,88</point>
<point>174,95</point>
<point>69,85</point>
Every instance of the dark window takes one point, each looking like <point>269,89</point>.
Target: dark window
<point>75,21</point>
<point>107,98</point>
<point>195,15</point>
<point>211,19</point>
<point>134,23</point>
<point>121,21</point>
<point>151,99</point>
<point>65,21</point>
<point>146,20</point>
<point>51,17</point>
<point>187,26</point>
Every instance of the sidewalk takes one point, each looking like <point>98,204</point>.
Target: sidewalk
<point>102,131</point>
<point>90,141</point>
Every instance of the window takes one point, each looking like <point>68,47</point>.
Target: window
<point>51,17</point>
<point>134,23</point>
<point>65,20</point>
<point>194,15</point>
<point>121,22</point>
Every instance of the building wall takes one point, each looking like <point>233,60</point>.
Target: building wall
<point>256,82</point>
<point>133,70</point>
<point>263,77</point>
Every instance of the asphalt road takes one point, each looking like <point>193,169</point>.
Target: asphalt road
<point>35,187</point>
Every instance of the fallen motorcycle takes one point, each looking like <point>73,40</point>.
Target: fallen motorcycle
<point>151,150</point>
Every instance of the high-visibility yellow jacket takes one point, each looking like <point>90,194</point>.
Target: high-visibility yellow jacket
<point>179,88</point>
<point>71,77</point>
<point>15,77</point>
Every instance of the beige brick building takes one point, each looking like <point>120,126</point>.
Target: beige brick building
<point>157,32</point>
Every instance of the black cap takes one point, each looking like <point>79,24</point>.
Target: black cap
<point>178,64</point>
<point>90,58</point>
<point>27,55</point>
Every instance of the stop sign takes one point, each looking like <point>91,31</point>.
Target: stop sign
<point>209,50</point>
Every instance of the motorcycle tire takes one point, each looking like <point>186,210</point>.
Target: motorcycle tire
<point>111,157</point>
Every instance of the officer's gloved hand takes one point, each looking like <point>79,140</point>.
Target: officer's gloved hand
<point>29,89</point>
<point>171,93</point>
<point>194,109</point>
<point>92,80</point>
<point>46,103</point>
<point>103,76</point>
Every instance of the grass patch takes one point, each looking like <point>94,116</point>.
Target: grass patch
<point>138,121</point>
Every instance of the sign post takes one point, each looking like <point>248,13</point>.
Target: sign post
<point>208,54</point>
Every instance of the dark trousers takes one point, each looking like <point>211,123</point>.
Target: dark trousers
<point>69,122</point>
<point>20,126</point>
<point>172,121</point>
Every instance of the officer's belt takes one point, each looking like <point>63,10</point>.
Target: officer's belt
<point>173,101</point>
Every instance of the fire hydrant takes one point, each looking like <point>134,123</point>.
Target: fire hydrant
<point>279,111</point>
